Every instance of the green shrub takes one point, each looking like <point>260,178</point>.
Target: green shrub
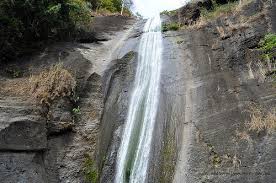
<point>25,23</point>
<point>171,27</point>
<point>112,6</point>
<point>268,45</point>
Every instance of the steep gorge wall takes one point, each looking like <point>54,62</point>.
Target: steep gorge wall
<point>210,80</point>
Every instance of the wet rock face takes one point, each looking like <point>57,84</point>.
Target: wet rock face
<point>120,78</point>
<point>213,77</point>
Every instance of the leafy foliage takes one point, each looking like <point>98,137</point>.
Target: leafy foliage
<point>25,23</point>
<point>268,45</point>
<point>110,5</point>
<point>76,111</point>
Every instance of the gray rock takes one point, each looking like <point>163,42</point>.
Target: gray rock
<point>207,86</point>
<point>22,167</point>
<point>21,127</point>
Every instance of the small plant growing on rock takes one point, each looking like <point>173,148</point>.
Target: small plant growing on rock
<point>268,44</point>
<point>76,111</point>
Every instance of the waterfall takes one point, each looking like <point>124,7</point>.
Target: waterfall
<point>134,152</point>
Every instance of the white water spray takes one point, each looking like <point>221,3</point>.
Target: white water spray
<point>134,152</point>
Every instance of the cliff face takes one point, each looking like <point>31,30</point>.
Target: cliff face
<point>58,143</point>
<point>213,77</point>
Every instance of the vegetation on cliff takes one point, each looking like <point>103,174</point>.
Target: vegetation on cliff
<point>26,24</point>
<point>52,84</point>
<point>261,120</point>
<point>268,46</point>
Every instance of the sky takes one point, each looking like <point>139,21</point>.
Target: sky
<point>149,8</point>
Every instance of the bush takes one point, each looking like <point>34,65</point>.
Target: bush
<point>171,27</point>
<point>52,84</point>
<point>111,5</point>
<point>25,23</point>
<point>268,45</point>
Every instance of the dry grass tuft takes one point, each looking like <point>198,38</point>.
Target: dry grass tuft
<point>262,121</point>
<point>243,135</point>
<point>15,87</point>
<point>200,23</point>
<point>51,84</point>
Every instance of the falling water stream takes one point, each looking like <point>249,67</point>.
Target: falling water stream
<point>134,152</point>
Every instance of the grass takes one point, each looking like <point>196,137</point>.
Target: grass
<point>260,120</point>
<point>90,172</point>
<point>52,84</point>
<point>219,10</point>
<point>174,26</point>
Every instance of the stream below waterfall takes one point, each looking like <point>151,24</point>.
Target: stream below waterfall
<point>134,152</point>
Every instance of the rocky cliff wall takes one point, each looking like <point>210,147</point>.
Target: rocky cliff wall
<point>213,74</point>
<point>58,143</point>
